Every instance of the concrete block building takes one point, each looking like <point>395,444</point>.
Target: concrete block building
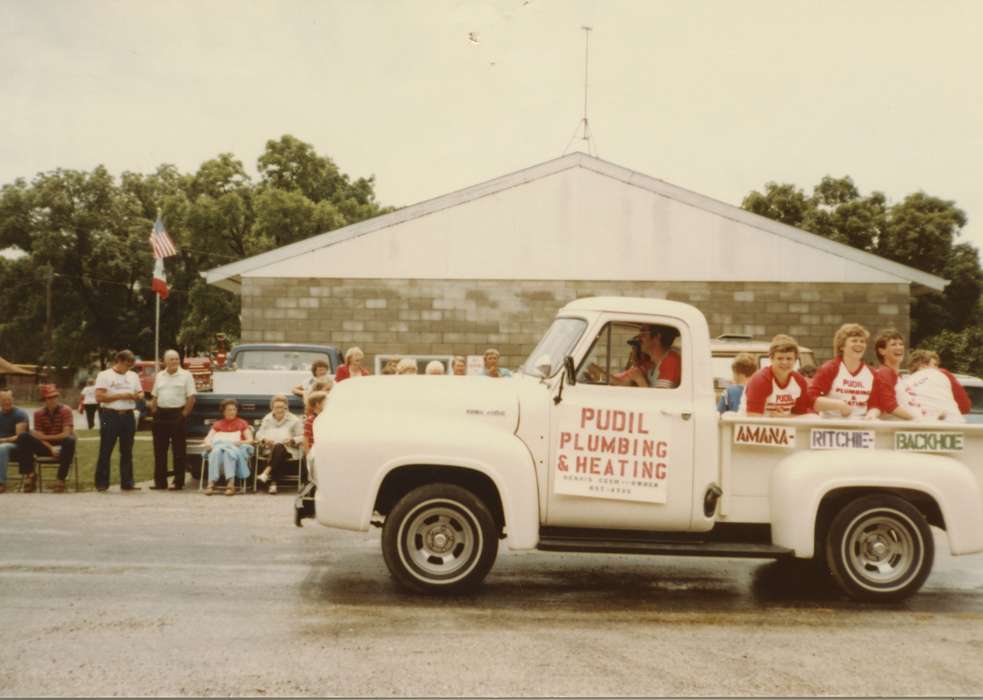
<point>491,264</point>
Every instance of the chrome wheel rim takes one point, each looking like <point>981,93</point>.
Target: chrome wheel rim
<point>883,550</point>
<point>439,541</point>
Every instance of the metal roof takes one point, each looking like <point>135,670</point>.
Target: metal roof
<point>229,276</point>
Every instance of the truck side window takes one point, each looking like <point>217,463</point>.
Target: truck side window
<point>618,358</point>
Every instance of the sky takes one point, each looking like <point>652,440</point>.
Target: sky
<point>718,97</point>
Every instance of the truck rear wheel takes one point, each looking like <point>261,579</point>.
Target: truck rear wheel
<point>439,538</point>
<point>880,548</point>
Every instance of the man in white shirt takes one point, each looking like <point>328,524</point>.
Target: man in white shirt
<point>171,400</point>
<point>117,390</point>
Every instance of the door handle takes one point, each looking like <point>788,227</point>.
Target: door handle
<point>685,415</point>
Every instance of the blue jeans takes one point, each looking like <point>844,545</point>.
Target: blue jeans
<point>113,426</point>
<point>6,450</point>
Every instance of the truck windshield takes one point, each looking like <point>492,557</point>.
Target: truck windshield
<point>555,345</point>
<point>279,359</point>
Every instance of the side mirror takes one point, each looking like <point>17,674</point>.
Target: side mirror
<point>570,370</point>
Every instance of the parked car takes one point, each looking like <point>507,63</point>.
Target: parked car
<point>973,387</point>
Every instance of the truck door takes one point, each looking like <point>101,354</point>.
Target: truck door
<point>621,456</point>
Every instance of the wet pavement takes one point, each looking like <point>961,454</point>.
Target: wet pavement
<point>156,593</point>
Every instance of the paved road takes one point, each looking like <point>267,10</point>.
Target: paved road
<point>174,594</point>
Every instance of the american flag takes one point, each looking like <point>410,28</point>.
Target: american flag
<point>161,243</point>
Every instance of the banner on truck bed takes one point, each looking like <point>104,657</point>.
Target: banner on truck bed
<point>764,435</point>
<point>836,439</point>
<point>605,453</point>
<point>926,441</point>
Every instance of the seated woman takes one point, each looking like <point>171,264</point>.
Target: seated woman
<point>229,445</point>
<point>928,393</point>
<point>280,436</point>
<point>319,373</point>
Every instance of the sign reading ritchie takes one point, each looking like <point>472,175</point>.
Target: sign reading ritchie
<point>605,453</point>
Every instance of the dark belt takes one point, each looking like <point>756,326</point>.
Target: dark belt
<point>118,410</point>
<point>161,409</point>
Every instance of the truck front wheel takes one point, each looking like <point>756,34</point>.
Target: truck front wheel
<point>880,548</point>
<point>439,538</point>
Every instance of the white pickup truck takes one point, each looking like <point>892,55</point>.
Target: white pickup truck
<point>550,460</point>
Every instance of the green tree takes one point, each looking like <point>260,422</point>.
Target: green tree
<point>920,231</point>
<point>92,231</point>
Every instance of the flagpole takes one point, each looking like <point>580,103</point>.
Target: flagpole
<point>157,337</point>
<point>157,326</point>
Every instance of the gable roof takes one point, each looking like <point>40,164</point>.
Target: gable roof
<point>229,276</point>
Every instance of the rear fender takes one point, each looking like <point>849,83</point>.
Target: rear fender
<point>801,482</point>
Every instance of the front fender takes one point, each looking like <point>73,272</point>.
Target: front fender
<point>800,482</point>
<point>351,474</point>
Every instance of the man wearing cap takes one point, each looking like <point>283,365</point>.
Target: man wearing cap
<point>117,391</point>
<point>53,436</point>
<point>171,401</point>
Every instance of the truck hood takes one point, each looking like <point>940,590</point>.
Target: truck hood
<point>401,400</point>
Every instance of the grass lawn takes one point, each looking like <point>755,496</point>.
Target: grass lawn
<point>87,451</point>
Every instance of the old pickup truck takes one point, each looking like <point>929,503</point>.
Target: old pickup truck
<point>554,461</point>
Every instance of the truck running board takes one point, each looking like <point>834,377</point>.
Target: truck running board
<point>746,550</point>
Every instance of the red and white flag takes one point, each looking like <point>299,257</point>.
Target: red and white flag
<point>161,243</point>
<point>159,284</point>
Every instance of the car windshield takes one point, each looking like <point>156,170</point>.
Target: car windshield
<point>282,360</point>
<point>555,345</point>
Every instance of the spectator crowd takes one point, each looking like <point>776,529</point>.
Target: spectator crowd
<point>232,450</point>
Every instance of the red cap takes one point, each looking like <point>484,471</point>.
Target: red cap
<point>49,390</point>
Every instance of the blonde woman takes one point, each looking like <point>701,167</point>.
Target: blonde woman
<point>406,366</point>
<point>845,387</point>
<point>353,365</point>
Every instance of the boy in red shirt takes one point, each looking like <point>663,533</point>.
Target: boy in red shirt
<point>778,390</point>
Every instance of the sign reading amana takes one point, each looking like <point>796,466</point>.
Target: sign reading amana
<point>835,439</point>
<point>764,435</point>
<point>915,441</point>
<point>603,453</point>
